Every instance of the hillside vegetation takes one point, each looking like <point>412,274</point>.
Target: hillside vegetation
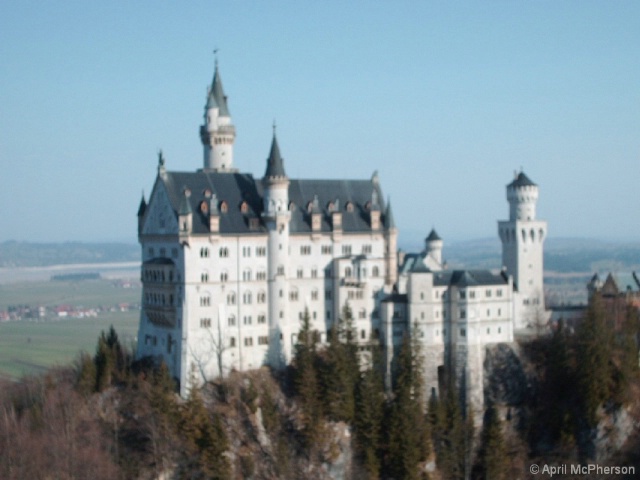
<point>109,417</point>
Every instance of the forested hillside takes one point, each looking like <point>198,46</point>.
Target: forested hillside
<point>576,400</point>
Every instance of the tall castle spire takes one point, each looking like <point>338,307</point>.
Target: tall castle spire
<point>217,133</point>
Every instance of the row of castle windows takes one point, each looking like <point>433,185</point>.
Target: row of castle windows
<point>510,235</point>
<point>223,252</point>
<point>163,252</point>
<point>248,341</point>
<point>156,275</point>
<point>462,313</point>
<point>158,299</point>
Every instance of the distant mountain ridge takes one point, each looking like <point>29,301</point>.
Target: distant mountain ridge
<point>561,254</point>
<point>27,254</point>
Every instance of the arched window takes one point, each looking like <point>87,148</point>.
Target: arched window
<point>347,272</point>
<point>262,297</point>
<point>293,295</point>
<point>224,252</point>
<point>204,252</point>
<point>232,321</point>
<point>375,272</point>
<point>231,298</point>
<point>246,275</point>
<point>224,276</point>
<point>246,298</point>
<point>205,300</point>
<point>204,277</point>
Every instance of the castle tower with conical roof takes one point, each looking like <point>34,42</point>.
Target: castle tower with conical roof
<point>218,133</point>
<point>522,239</point>
<point>276,216</point>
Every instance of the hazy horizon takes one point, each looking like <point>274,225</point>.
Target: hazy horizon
<point>444,100</point>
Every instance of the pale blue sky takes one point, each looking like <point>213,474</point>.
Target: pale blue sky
<point>444,99</point>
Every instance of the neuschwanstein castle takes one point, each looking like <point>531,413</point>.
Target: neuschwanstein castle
<point>231,262</point>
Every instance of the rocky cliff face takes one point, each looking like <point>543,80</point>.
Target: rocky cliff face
<point>264,429</point>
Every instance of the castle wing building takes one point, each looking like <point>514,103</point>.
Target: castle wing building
<point>231,264</point>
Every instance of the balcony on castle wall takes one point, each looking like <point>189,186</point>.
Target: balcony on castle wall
<point>161,315</point>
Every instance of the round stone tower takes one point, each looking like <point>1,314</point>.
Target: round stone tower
<point>218,133</point>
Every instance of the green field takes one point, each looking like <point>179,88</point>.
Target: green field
<point>88,293</point>
<point>31,347</point>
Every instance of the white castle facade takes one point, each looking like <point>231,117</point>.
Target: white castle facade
<point>230,264</point>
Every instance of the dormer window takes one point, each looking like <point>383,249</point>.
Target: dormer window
<point>309,207</point>
<point>224,206</point>
<point>206,193</point>
<point>331,206</point>
<point>367,206</point>
<point>292,206</point>
<point>204,207</point>
<point>349,207</point>
<point>244,207</point>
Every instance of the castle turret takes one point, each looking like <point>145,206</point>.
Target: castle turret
<point>217,133</point>
<point>522,239</point>
<point>391,247</point>
<point>433,246</point>
<point>276,217</point>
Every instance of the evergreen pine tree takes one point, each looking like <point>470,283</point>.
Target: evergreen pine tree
<point>306,380</point>
<point>559,388</point>
<point>594,349</point>
<point>407,435</point>
<point>493,451</point>
<point>86,374</point>
<point>205,440</point>
<point>451,447</point>
<point>105,364</point>
<point>368,418</point>
<point>341,369</point>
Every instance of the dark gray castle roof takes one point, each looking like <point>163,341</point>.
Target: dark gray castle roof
<point>469,278</point>
<point>433,236</point>
<point>216,96</point>
<point>353,198</point>
<point>275,166</point>
<point>522,181</point>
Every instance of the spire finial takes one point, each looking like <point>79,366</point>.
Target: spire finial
<point>274,126</point>
<point>215,56</point>
<point>160,158</point>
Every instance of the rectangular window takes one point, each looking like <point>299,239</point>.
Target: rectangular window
<point>232,341</point>
<point>264,340</point>
<point>472,294</point>
<point>346,249</point>
<point>248,341</point>
<point>299,273</point>
<point>262,319</point>
<point>205,322</point>
<point>487,293</point>
<point>327,250</point>
<point>463,294</point>
<point>499,292</point>
<point>463,332</point>
<point>305,250</point>
<point>247,320</point>
<point>463,313</point>
<point>261,251</point>
<point>366,248</point>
